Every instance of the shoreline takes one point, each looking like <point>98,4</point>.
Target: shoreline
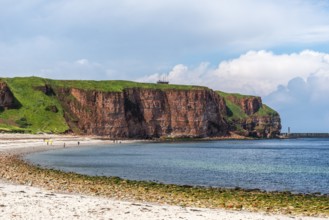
<point>134,189</point>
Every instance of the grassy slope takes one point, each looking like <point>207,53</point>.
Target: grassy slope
<point>33,109</point>
<point>236,111</point>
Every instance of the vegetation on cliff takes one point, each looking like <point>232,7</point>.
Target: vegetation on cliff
<point>236,112</point>
<point>41,108</point>
<point>248,116</point>
<point>115,85</point>
<point>34,114</point>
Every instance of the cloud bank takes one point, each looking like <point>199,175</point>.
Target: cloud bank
<point>138,37</point>
<point>303,104</point>
<point>296,84</point>
<point>255,72</point>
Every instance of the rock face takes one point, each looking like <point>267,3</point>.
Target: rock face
<point>123,109</point>
<point>249,104</point>
<point>7,99</point>
<point>145,113</point>
<point>259,120</point>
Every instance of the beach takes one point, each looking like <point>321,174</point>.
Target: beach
<point>26,201</point>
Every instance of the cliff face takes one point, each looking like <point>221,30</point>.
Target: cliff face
<point>146,113</point>
<point>123,109</point>
<point>255,118</point>
<point>249,104</point>
<point>7,99</point>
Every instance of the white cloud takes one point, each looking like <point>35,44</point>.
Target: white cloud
<point>136,37</point>
<point>211,25</point>
<point>303,103</point>
<point>81,69</point>
<point>263,71</point>
<point>256,72</point>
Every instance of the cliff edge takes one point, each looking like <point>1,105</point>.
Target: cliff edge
<point>123,109</point>
<point>248,116</point>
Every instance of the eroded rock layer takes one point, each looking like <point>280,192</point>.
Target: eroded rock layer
<point>146,113</point>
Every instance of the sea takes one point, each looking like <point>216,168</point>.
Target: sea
<point>294,165</point>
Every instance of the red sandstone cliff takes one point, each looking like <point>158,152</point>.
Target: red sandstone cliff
<point>137,111</point>
<point>145,113</point>
<point>249,104</point>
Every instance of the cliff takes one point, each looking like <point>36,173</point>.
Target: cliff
<point>123,109</point>
<point>248,116</point>
<point>7,99</point>
<point>145,113</point>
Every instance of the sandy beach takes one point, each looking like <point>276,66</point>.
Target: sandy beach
<point>29,202</point>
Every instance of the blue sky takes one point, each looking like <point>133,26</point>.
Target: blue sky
<point>278,49</point>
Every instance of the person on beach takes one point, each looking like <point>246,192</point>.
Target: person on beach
<point>78,143</point>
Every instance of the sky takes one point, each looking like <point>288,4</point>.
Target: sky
<point>275,49</point>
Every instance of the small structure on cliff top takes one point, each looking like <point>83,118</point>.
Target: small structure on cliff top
<point>163,80</point>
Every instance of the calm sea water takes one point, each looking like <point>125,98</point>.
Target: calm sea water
<point>296,165</point>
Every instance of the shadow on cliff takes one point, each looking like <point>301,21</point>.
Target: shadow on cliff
<point>8,100</point>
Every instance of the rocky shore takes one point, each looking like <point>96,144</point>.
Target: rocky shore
<point>28,192</point>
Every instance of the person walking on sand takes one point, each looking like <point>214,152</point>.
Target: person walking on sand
<point>78,143</point>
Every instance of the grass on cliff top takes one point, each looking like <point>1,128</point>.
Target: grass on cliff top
<point>117,85</point>
<point>102,85</point>
<point>237,95</point>
<point>235,112</point>
<point>266,111</point>
<point>32,116</point>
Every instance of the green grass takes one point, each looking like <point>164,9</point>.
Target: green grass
<point>266,111</point>
<point>235,112</point>
<point>237,95</point>
<point>33,108</point>
<point>116,85</point>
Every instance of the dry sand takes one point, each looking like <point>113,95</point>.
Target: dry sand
<point>27,202</point>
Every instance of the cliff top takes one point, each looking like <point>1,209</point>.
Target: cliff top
<point>103,85</point>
